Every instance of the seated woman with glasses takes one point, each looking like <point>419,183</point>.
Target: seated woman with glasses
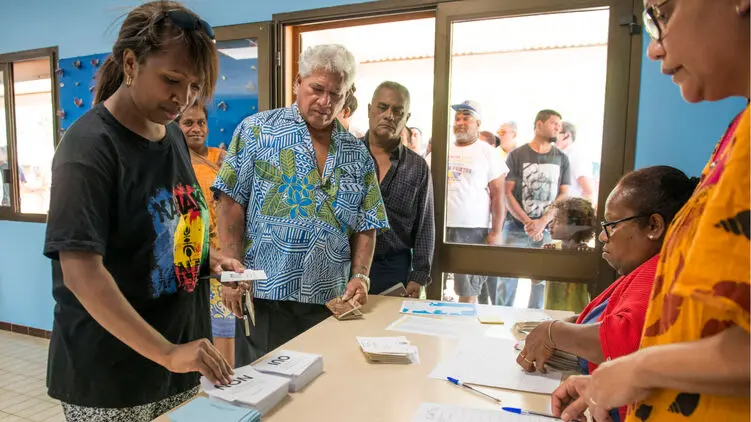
<point>637,212</point>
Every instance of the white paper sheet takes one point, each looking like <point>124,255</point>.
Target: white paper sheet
<point>432,307</point>
<point>432,412</point>
<point>492,362</point>
<point>436,327</point>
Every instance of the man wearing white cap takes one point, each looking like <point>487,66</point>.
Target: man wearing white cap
<point>476,205</point>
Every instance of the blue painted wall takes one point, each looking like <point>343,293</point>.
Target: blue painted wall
<point>673,132</point>
<point>670,131</point>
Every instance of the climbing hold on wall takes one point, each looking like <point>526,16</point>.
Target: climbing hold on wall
<point>78,102</point>
<point>95,62</point>
<point>222,106</point>
<point>61,114</point>
<point>77,64</point>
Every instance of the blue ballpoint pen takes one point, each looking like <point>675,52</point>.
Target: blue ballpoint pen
<point>461,384</point>
<point>529,412</point>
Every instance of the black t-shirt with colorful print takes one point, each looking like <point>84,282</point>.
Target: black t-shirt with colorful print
<point>138,205</point>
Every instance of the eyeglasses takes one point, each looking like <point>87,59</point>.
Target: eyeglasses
<point>187,21</point>
<point>609,226</point>
<point>655,19</point>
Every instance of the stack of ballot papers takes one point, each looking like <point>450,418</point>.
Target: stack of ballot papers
<point>344,310</point>
<point>299,368</point>
<point>202,409</point>
<point>249,388</point>
<point>560,361</point>
<point>388,350</point>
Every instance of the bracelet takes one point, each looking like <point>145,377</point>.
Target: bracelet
<point>550,334</point>
<point>364,278</point>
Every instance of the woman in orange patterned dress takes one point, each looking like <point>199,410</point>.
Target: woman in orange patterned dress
<point>694,361</point>
<point>206,163</point>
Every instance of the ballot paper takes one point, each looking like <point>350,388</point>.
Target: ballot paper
<point>433,412</point>
<point>202,409</point>
<point>432,307</point>
<point>249,388</point>
<point>300,368</point>
<point>344,310</point>
<point>389,350</point>
<point>435,327</point>
<point>491,362</point>
<point>247,275</point>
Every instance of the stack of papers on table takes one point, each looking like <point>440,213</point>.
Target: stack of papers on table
<point>250,388</point>
<point>202,409</point>
<point>388,350</point>
<point>560,361</point>
<point>299,368</point>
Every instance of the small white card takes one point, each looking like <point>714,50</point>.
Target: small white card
<point>247,275</point>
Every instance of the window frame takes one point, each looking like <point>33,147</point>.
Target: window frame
<point>13,212</point>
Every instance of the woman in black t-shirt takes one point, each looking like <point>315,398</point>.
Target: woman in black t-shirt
<point>128,231</point>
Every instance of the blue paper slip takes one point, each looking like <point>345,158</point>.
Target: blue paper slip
<point>418,307</point>
<point>203,409</point>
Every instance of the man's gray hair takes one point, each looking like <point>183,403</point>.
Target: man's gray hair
<point>570,128</point>
<point>333,58</point>
<point>512,125</point>
<point>395,86</point>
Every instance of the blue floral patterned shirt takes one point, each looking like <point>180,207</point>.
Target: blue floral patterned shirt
<point>299,223</point>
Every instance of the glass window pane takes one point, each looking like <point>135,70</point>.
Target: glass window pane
<point>506,73</point>
<point>4,168</point>
<point>35,134</point>
<point>520,292</point>
<point>383,55</point>
<point>236,95</point>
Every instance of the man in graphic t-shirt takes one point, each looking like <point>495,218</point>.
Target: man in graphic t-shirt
<point>538,175</point>
<point>476,208</point>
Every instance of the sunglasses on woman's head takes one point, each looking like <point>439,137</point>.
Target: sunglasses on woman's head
<point>187,21</point>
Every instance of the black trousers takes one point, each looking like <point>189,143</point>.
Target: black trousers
<point>389,270</point>
<point>277,322</point>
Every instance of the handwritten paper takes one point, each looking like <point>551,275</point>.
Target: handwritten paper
<point>432,412</point>
<point>492,362</point>
<point>430,307</point>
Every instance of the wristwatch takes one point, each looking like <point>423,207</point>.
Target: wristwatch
<point>364,278</point>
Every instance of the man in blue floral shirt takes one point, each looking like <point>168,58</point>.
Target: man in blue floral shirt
<point>299,199</point>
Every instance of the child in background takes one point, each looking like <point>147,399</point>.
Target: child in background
<point>572,228</point>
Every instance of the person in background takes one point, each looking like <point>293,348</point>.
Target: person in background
<point>507,134</point>
<point>539,174</point>
<point>416,138</point>
<point>345,116</point>
<point>206,162</point>
<point>128,231</point>
<point>572,228</point>
<point>490,138</point>
<point>408,141</point>
<point>582,182</point>
<point>475,204</point>
<point>694,362</point>
<point>299,199</point>
<point>638,213</point>
<point>403,254</point>
<point>5,177</point>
